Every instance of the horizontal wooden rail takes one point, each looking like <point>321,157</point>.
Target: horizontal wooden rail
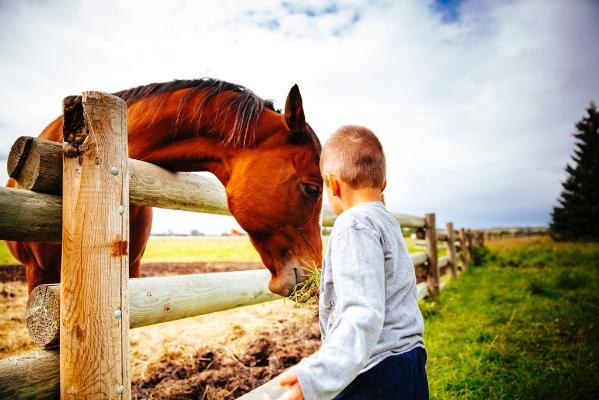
<point>30,376</point>
<point>27,215</point>
<point>158,299</point>
<point>37,164</point>
<point>418,258</point>
<point>162,299</point>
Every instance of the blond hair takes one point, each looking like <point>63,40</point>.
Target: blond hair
<point>354,154</point>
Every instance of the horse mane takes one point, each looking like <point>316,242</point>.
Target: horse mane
<point>246,105</point>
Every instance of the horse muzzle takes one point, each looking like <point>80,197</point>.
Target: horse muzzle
<point>288,276</point>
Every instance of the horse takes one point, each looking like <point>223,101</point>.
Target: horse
<point>267,160</point>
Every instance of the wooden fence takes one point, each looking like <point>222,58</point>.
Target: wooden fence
<point>79,194</point>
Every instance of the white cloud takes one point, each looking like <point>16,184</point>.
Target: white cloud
<point>474,114</point>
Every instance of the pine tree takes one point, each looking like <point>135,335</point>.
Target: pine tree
<point>577,215</point>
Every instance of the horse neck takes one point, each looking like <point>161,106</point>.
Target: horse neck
<point>175,139</point>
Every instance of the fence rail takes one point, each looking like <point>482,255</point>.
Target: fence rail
<point>93,309</point>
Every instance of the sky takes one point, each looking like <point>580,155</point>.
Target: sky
<point>474,101</point>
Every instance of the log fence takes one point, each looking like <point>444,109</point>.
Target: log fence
<point>78,194</point>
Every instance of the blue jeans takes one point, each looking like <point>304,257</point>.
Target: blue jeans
<point>398,377</point>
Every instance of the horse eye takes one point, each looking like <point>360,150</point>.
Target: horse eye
<point>310,190</point>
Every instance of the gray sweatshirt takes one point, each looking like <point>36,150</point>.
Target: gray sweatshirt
<point>368,309</point>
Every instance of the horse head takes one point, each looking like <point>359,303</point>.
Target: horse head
<point>274,191</point>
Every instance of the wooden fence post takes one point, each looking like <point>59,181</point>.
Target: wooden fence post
<point>94,317</point>
<point>432,271</point>
<point>451,253</point>
<point>470,245</point>
<point>463,249</point>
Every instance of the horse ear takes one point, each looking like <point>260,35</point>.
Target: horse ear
<point>294,110</point>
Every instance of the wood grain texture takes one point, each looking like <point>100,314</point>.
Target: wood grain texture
<point>29,216</point>
<point>42,315</point>
<point>432,273</point>
<point>94,357</point>
<point>30,376</point>
<point>451,251</point>
<point>160,299</point>
<point>36,164</point>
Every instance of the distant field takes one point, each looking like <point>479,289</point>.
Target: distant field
<point>200,248</point>
<point>184,249</point>
<point>195,248</point>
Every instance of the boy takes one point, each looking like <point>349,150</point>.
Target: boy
<point>371,325</point>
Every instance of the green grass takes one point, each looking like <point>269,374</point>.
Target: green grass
<point>203,248</point>
<point>522,325</point>
<point>5,257</point>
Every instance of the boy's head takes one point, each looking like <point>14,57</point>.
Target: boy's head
<point>352,160</point>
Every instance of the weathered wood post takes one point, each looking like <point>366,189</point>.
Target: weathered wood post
<point>432,270</point>
<point>94,316</point>
<point>470,245</point>
<point>451,252</point>
<point>464,249</point>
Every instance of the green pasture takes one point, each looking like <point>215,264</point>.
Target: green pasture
<point>522,325</point>
<point>192,249</point>
<point>5,257</point>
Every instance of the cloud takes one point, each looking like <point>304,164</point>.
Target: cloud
<point>474,110</point>
<point>308,19</point>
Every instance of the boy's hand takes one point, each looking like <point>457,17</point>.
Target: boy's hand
<point>294,391</point>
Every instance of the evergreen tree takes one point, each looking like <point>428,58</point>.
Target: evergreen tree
<point>577,215</point>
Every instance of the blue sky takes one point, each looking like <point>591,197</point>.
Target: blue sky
<point>449,9</point>
<point>474,101</point>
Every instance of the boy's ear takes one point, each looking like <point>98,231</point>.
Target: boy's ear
<point>334,185</point>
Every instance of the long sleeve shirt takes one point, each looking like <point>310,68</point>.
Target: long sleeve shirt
<point>368,307</point>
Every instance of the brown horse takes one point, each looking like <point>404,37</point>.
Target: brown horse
<point>267,161</point>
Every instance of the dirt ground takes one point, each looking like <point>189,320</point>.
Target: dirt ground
<point>212,359</point>
<point>216,356</point>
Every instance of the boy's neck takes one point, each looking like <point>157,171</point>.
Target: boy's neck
<point>353,197</point>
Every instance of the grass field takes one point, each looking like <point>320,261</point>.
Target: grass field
<point>193,249</point>
<point>523,325</point>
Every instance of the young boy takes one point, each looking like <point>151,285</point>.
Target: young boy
<point>369,317</point>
